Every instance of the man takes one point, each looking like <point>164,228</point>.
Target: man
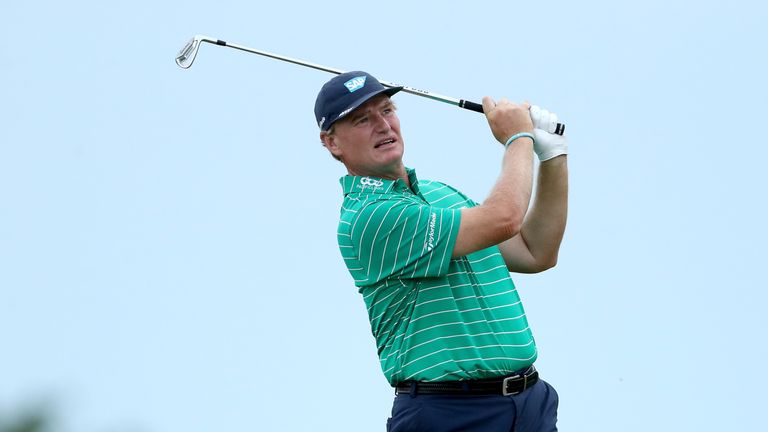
<point>433,266</point>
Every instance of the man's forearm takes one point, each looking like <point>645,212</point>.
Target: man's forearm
<point>544,224</point>
<point>501,216</point>
<point>511,194</point>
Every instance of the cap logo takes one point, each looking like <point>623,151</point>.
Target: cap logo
<point>355,83</point>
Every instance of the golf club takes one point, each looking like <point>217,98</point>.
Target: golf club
<point>187,55</point>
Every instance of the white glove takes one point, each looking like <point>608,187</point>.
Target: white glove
<point>547,144</point>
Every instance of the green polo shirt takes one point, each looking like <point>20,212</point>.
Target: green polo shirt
<point>434,318</point>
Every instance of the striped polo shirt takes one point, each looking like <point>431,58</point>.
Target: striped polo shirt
<point>434,318</point>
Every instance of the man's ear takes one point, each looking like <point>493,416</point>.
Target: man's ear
<point>329,142</point>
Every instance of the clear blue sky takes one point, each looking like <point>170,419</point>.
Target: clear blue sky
<point>158,273</point>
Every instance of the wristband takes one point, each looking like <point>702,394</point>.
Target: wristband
<point>519,135</point>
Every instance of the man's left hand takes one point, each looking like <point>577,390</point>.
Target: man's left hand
<point>547,144</point>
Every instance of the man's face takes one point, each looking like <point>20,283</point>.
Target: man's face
<point>368,140</point>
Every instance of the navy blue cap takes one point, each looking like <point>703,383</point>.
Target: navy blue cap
<point>343,93</point>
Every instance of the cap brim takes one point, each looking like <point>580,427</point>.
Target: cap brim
<point>387,91</point>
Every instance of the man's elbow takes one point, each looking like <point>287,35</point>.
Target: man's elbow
<point>542,265</point>
<point>549,263</point>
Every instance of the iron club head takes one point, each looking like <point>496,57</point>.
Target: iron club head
<point>187,54</point>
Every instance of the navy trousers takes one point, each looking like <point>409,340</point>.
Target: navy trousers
<point>534,410</point>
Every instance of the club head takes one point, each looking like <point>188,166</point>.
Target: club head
<point>187,54</point>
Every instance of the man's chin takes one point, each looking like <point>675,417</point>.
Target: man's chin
<point>395,160</point>
<point>392,154</point>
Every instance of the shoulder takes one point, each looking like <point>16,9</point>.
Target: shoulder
<point>444,195</point>
<point>427,184</point>
<point>433,186</point>
<point>359,206</point>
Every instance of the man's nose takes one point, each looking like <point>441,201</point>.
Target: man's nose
<point>382,125</point>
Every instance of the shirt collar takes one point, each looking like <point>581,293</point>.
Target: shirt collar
<point>375,185</point>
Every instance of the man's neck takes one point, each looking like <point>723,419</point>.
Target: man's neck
<point>393,174</point>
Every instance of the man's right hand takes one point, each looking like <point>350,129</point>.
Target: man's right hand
<point>507,118</point>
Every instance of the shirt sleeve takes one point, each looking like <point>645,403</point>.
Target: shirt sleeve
<point>403,239</point>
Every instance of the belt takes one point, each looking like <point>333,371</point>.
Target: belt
<point>506,386</point>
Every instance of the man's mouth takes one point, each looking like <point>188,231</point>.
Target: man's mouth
<point>383,143</point>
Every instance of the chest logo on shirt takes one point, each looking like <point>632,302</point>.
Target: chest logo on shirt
<point>369,182</point>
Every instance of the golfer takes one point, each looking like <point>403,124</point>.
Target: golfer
<point>433,266</point>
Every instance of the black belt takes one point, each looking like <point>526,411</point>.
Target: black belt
<point>507,386</point>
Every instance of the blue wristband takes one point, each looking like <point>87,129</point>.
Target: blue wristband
<point>519,135</point>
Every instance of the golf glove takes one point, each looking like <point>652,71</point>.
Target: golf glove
<point>547,144</point>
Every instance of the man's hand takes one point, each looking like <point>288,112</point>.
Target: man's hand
<point>506,118</point>
<point>548,144</point>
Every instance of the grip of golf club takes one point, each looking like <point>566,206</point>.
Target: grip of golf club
<point>472,106</point>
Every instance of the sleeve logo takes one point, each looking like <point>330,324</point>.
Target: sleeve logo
<point>431,238</point>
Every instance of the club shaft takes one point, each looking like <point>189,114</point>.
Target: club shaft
<point>461,103</point>
<point>411,90</point>
<point>279,57</point>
